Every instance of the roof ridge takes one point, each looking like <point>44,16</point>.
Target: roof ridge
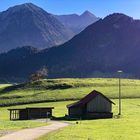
<point>88,98</point>
<point>105,97</point>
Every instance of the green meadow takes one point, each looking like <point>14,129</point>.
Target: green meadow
<point>66,89</point>
<point>124,128</point>
<point>127,127</point>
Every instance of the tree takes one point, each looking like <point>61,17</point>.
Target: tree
<point>40,74</point>
<point>43,72</point>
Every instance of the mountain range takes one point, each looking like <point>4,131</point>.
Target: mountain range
<point>30,25</point>
<point>108,45</point>
<point>76,22</point>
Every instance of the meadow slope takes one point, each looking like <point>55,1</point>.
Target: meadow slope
<point>66,89</point>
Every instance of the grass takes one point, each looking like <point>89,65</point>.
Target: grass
<point>66,89</point>
<point>16,125</point>
<point>4,85</point>
<point>124,128</point>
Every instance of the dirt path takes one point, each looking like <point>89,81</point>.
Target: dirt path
<point>33,133</point>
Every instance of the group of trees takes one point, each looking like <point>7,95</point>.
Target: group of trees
<point>40,74</point>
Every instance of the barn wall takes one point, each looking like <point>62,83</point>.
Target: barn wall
<point>23,114</point>
<point>99,104</point>
<point>39,113</point>
<point>75,111</point>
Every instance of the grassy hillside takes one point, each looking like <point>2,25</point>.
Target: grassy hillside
<point>4,85</point>
<point>65,89</point>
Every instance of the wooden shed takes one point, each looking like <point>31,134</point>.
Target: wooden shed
<point>94,105</point>
<point>30,113</point>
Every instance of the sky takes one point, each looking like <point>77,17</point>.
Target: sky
<point>100,8</point>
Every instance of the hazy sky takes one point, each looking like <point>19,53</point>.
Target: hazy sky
<point>100,8</point>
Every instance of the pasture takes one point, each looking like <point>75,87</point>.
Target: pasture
<point>66,89</point>
<point>124,128</point>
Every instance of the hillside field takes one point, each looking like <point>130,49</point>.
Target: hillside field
<point>66,89</point>
<point>124,128</point>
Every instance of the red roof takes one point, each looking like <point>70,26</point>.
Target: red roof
<point>88,98</point>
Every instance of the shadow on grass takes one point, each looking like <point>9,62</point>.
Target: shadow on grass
<point>67,118</point>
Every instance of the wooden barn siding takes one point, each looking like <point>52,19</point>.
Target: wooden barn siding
<point>23,114</point>
<point>75,111</point>
<point>99,104</point>
<point>39,113</point>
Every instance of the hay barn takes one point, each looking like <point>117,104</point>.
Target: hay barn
<point>93,106</point>
<point>30,113</point>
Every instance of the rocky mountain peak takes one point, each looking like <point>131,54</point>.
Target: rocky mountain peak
<point>88,13</point>
<point>30,7</point>
<point>28,24</point>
